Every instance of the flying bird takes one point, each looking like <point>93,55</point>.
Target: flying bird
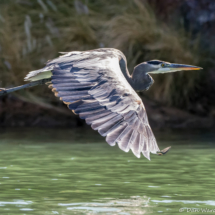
<point>97,86</point>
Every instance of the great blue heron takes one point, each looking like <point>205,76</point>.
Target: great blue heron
<point>97,86</point>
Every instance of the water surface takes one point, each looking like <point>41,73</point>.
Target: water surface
<point>73,171</point>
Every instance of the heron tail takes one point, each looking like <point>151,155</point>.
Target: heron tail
<point>40,74</point>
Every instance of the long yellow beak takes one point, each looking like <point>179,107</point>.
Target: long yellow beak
<point>179,67</point>
<point>167,68</point>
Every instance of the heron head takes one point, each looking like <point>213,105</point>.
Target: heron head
<point>157,67</point>
<point>141,78</point>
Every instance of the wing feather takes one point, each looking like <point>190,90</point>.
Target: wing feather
<point>91,83</point>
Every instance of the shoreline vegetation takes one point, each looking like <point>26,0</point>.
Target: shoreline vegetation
<point>19,111</point>
<point>32,32</point>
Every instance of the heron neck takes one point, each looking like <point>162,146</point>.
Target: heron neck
<point>141,80</point>
<point>124,69</point>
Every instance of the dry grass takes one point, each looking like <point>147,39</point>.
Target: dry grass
<point>32,32</point>
<point>141,37</point>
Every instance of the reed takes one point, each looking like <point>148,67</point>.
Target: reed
<point>32,32</point>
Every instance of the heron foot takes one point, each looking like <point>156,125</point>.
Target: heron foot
<point>2,91</point>
<point>164,151</point>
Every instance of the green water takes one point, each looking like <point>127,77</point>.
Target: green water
<point>73,171</point>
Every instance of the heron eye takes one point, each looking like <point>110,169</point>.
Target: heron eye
<point>162,64</point>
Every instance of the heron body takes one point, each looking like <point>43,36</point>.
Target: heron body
<point>97,86</point>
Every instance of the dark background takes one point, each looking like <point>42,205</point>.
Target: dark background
<point>179,31</point>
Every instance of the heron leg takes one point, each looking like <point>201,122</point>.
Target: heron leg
<point>4,91</point>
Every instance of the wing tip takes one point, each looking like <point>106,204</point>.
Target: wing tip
<point>146,154</point>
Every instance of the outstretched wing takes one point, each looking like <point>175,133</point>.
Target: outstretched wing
<point>91,83</point>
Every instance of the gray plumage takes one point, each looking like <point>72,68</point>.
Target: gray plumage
<point>97,86</point>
